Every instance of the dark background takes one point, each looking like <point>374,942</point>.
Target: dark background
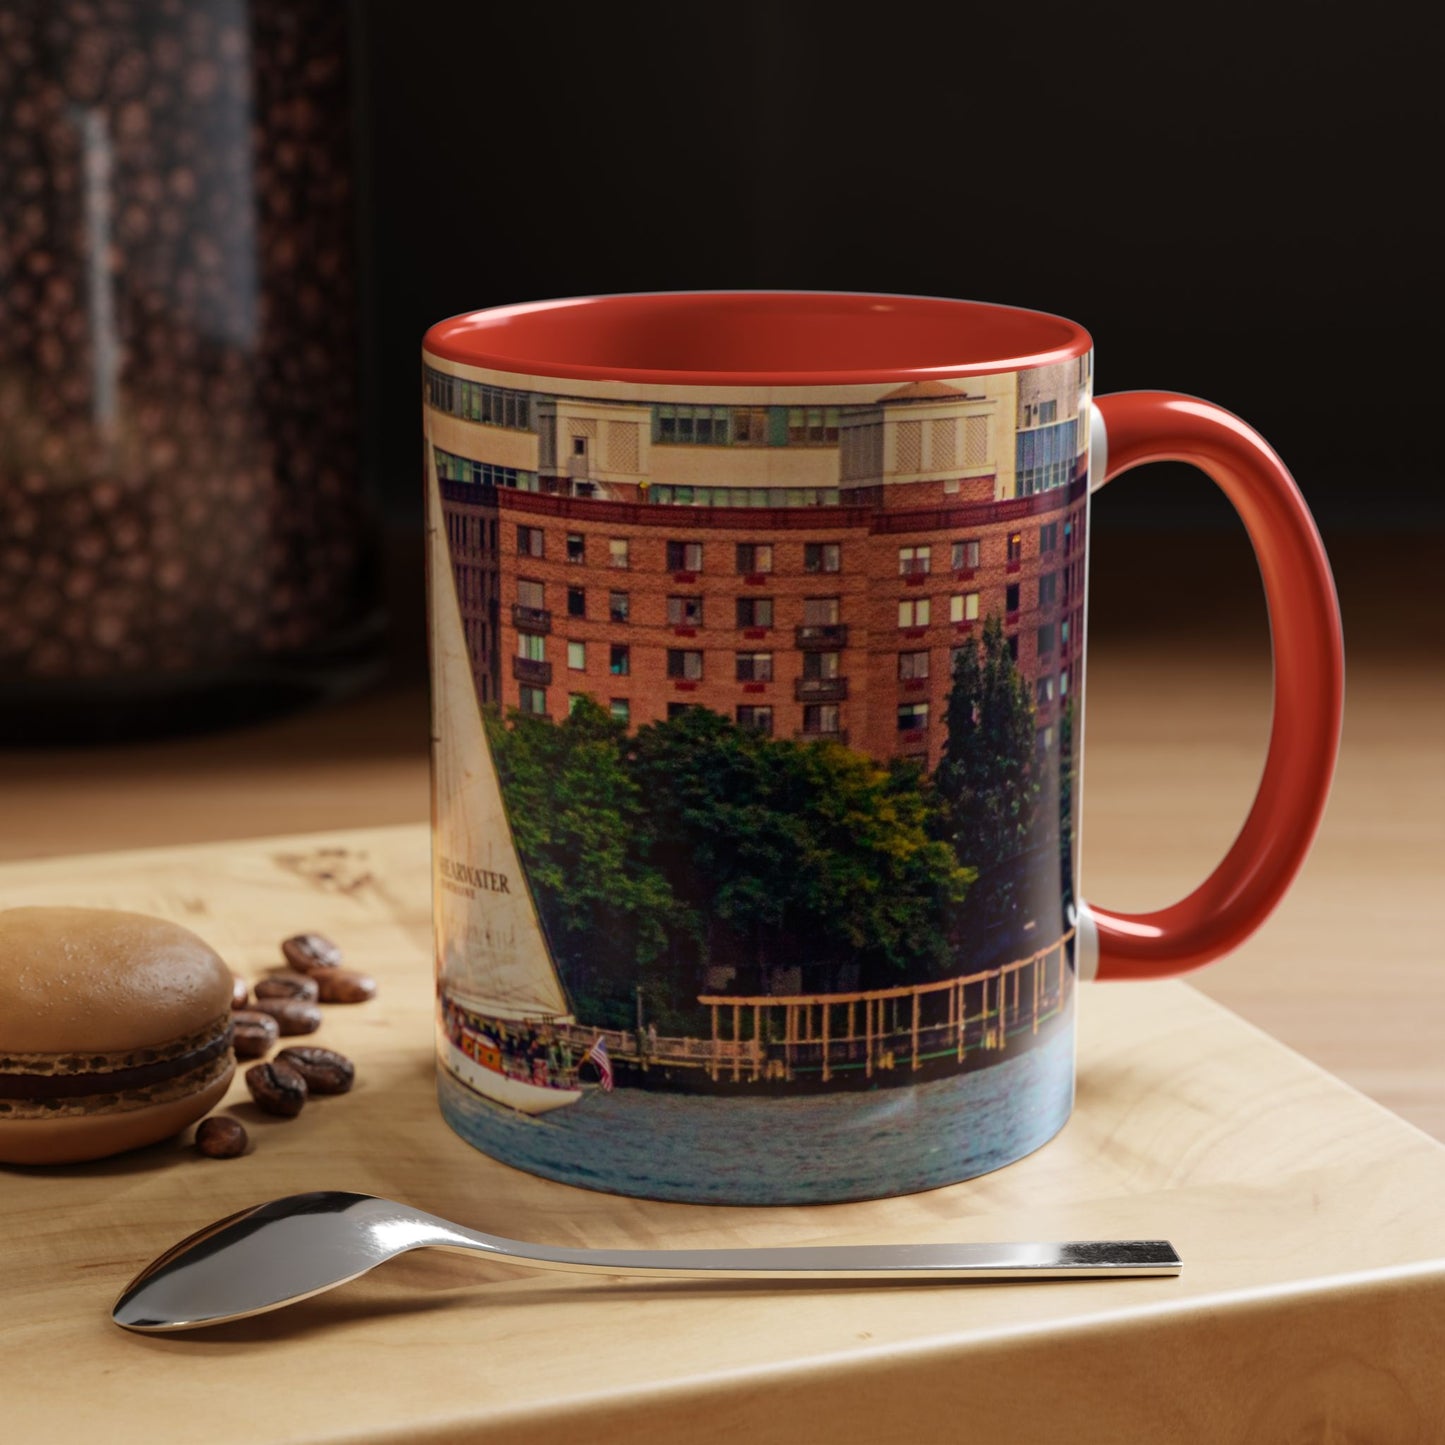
<point>1232,200</point>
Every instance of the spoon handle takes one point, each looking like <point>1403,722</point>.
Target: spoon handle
<point>915,1263</point>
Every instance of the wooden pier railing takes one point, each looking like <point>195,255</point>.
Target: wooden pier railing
<point>774,1036</point>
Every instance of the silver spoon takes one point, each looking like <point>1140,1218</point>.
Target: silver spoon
<point>290,1249</point>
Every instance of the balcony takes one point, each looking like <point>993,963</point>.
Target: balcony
<point>820,689</point>
<point>531,619</point>
<point>538,674</point>
<point>821,636</point>
<point>806,735</point>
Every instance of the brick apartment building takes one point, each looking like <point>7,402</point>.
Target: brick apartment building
<point>807,570</point>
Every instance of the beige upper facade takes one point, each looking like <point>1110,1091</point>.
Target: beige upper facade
<point>600,440</point>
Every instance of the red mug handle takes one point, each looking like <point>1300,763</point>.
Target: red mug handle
<point>1309,670</point>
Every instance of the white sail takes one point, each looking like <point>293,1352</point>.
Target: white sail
<point>493,954</point>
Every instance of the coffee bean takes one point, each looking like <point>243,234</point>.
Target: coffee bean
<point>288,985</point>
<point>345,985</point>
<point>277,1088</point>
<point>311,953</point>
<point>253,1033</point>
<point>292,1015</point>
<point>325,1071</point>
<point>240,994</point>
<point>221,1137</point>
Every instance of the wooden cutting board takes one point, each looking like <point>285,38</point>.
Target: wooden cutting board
<point>1311,1306</point>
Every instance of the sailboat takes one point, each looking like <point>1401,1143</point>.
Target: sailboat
<point>499,992</point>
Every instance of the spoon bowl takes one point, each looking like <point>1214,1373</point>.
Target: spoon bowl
<point>289,1249</point>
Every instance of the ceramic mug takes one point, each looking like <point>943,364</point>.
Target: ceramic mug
<point>757,639</point>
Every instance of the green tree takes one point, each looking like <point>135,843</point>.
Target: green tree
<point>988,777</point>
<point>873,879</point>
<point>798,854</point>
<point>1067,766</point>
<point>584,833</point>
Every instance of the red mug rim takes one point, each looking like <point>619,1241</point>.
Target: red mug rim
<point>756,338</point>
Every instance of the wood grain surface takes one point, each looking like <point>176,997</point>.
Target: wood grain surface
<point>1310,1308</point>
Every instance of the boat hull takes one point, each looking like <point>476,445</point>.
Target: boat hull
<point>519,1094</point>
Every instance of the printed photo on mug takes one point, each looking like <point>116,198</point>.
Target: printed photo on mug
<point>756,740</point>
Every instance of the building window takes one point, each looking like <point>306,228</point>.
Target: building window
<point>912,717</point>
<point>750,426</point>
<point>822,556</point>
<point>530,594</point>
<point>754,557</point>
<point>532,646</point>
<point>669,495</point>
<point>476,401</point>
<point>619,606</point>
<point>619,659</point>
<point>533,700</point>
<point>531,542</point>
<point>576,547</point>
<point>620,709</point>
<point>1068,536</point>
<point>822,666</point>
<point>1015,547</point>
<point>963,607</point>
<point>1048,537</point>
<point>576,602</point>
<point>1045,690</point>
<point>452,468</point>
<point>914,612</point>
<point>755,667</point>
<point>912,666</point>
<point>756,719</point>
<point>684,663</point>
<point>820,611</point>
<point>1013,646</point>
<point>1064,633</point>
<point>617,552</point>
<point>577,656</point>
<point>707,426</point>
<point>1011,597</point>
<point>676,709</point>
<point>684,611</point>
<point>820,719</point>
<point>574,701</point>
<point>1044,457</point>
<point>1048,589</point>
<point>914,561</point>
<point>1046,639</point>
<point>684,556</point>
<point>755,611</point>
<point>812,426</point>
<point>1048,412</point>
<point>1064,682</point>
<point>965,555</point>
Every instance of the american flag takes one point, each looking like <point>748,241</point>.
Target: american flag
<point>597,1054</point>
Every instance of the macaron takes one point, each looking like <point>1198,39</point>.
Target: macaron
<point>115,1032</point>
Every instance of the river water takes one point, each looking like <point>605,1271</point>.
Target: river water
<point>807,1150</point>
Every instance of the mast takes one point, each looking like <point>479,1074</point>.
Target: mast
<point>492,952</point>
